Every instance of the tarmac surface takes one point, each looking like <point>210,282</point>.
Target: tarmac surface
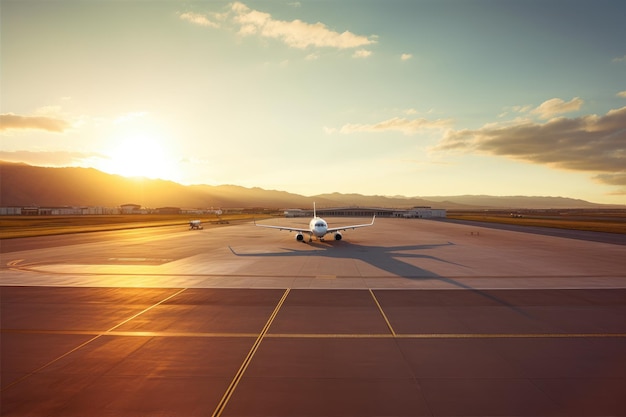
<point>405,318</point>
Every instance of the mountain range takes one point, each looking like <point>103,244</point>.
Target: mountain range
<point>27,185</point>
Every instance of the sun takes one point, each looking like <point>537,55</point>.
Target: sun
<point>140,155</point>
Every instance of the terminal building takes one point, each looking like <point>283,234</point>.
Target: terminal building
<point>412,213</point>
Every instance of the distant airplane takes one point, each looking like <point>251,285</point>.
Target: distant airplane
<point>195,224</point>
<point>318,228</point>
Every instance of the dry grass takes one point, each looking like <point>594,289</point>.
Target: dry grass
<point>612,224</point>
<point>31,226</point>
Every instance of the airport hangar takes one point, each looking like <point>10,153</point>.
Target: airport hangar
<point>412,213</point>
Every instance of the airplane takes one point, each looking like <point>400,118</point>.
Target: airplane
<point>195,224</point>
<point>318,228</point>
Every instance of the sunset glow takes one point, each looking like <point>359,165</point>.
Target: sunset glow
<point>414,98</point>
<point>139,156</point>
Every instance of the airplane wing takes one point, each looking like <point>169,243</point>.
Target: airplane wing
<point>291,229</point>
<point>356,226</point>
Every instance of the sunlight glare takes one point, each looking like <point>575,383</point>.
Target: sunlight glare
<point>141,156</point>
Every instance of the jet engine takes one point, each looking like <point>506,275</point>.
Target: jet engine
<point>299,237</point>
<point>338,236</point>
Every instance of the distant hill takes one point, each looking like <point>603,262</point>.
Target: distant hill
<point>24,185</point>
<point>359,200</point>
<point>527,202</point>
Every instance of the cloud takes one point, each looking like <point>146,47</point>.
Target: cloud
<point>295,33</point>
<point>50,124</point>
<point>361,53</point>
<point>621,94</point>
<point>406,126</point>
<point>406,57</point>
<point>198,19</point>
<point>620,59</point>
<point>50,158</point>
<point>555,106</point>
<point>588,143</point>
<point>617,178</point>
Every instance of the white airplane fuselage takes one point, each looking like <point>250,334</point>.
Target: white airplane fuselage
<point>318,227</point>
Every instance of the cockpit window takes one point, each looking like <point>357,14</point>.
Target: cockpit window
<point>319,224</point>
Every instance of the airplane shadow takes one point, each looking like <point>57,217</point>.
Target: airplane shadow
<point>386,258</point>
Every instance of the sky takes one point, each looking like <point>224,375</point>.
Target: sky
<point>413,98</point>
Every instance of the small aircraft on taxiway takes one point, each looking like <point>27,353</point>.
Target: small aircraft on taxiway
<point>195,224</point>
<point>318,228</point>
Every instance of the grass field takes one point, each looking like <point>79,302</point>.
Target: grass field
<point>31,226</point>
<point>614,222</point>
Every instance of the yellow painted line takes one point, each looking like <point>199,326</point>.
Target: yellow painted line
<point>322,335</point>
<point>145,310</point>
<point>511,335</point>
<point>180,334</point>
<point>15,264</point>
<point>128,333</point>
<point>330,336</point>
<point>444,335</point>
<point>242,369</point>
<point>89,341</point>
<point>382,312</point>
<point>326,277</point>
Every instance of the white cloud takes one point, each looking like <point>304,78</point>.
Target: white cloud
<point>521,109</point>
<point>589,143</point>
<point>620,59</point>
<point>406,57</point>
<point>622,94</point>
<point>198,19</point>
<point>406,126</point>
<point>50,158</point>
<point>361,53</point>
<point>50,124</point>
<point>554,106</point>
<point>295,33</point>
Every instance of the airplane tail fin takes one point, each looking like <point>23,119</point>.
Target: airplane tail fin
<point>314,213</point>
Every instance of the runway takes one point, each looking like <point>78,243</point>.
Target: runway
<point>406,318</point>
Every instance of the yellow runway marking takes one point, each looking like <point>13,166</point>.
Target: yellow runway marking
<point>326,277</point>
<point>98,335</point>
<point>445,335</point>
<point>330,336</point>
<point>382,312</point>
<point>324,335</point>
<point>510,335</point>
<point>128,333</point>
<point>233,385</point>
<point>15,264</point>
